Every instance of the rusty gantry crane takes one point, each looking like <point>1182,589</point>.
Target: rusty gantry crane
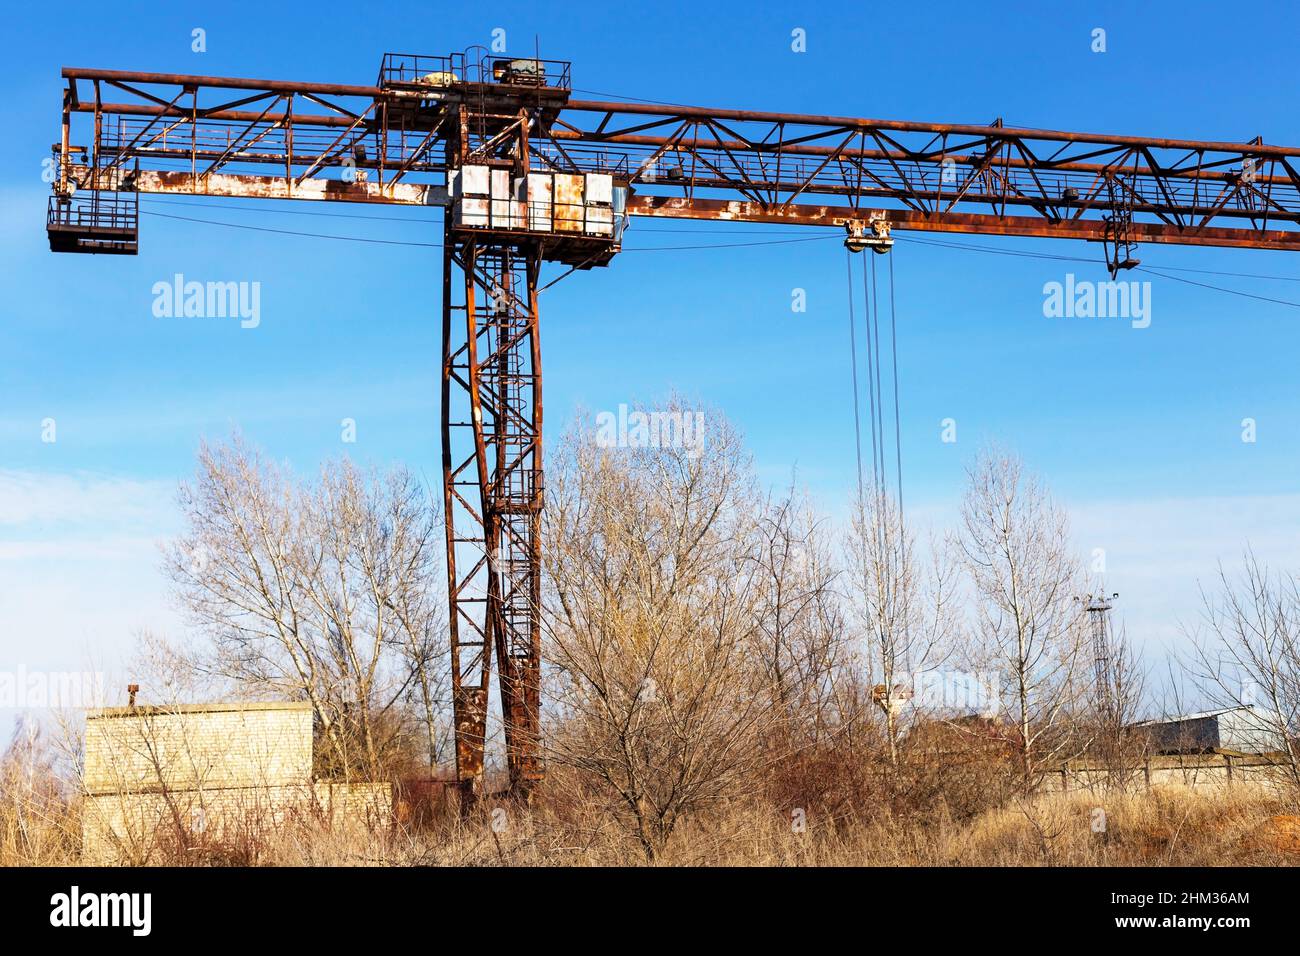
<point>529,175</point>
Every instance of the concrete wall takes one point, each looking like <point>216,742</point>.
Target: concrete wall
<point>203,746</point>
<point>135,828</point>
<point>1248,730</point>
<point>368,803</point>
<point>207,776</point>
<point>1208,770</point>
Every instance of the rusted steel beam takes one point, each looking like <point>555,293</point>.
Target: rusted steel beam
<point>237,116</point>
<point>219,82</point>
<point>269,158</point>
<point>244,186</point>
<point>786,157</point>
<point>492,493</point>
<point>906,219</point>
<point>833,123</point>
<point>707,113</point>
<point>962,158</point>
<point>1066,208</point>
<point>963,129</point>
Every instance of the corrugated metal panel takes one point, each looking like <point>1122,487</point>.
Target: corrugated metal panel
<point>471,211</point>
<point>474,180</point>
<point>600,221</point>
<point>569,203</point>
<point>540,191</point>
<point>503,213</point>
<point>1184,736</point>
<point>600,188</point>
<point>1240,729</point>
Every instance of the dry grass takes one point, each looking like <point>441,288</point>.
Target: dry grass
<point>40,815</point>
<point>935,820</point>
<point>1166,826</point>
<point>1174,826</point>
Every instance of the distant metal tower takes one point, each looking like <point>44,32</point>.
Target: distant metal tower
<point>1098,607</point>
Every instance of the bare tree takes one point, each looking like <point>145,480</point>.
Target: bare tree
<point>803,648</point>
<point>651,617</point>
<point>905,614</point>
<point>1014,543</point>
<point>1247,653</point>
<point>326,592</point>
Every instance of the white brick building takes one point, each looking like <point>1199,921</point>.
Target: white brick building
<point>205,775</point>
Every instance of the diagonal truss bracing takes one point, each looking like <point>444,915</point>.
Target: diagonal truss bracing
<point>492,469</point>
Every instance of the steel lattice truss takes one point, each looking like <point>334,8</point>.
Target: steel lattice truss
<point>273,139</point>
<point>492,433</point>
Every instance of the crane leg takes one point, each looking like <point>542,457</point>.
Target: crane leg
<point>492,484</point>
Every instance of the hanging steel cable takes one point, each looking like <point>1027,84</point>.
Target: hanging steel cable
<point>853,359</point>
<point>898,429</point>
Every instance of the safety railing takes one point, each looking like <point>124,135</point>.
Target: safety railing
<point>96,214</point>
<point>416,71</point>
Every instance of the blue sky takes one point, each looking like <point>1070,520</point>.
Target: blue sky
<point>1137,431</point>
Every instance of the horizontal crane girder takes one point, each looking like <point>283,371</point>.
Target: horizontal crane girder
<point>217,136</point>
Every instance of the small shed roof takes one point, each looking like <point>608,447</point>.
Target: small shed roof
<point>1199,716</point>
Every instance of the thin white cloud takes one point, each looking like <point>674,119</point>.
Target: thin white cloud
<point>53,501</point>
<point>80,560</point>
<point>1159,552</point>
<point>216,412</point>
<point>80,568</point>
<point>112,548</point>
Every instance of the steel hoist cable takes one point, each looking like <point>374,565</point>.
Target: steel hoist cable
<point>853,360</point>
<point>878,394</point>
<point>898,429</point>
